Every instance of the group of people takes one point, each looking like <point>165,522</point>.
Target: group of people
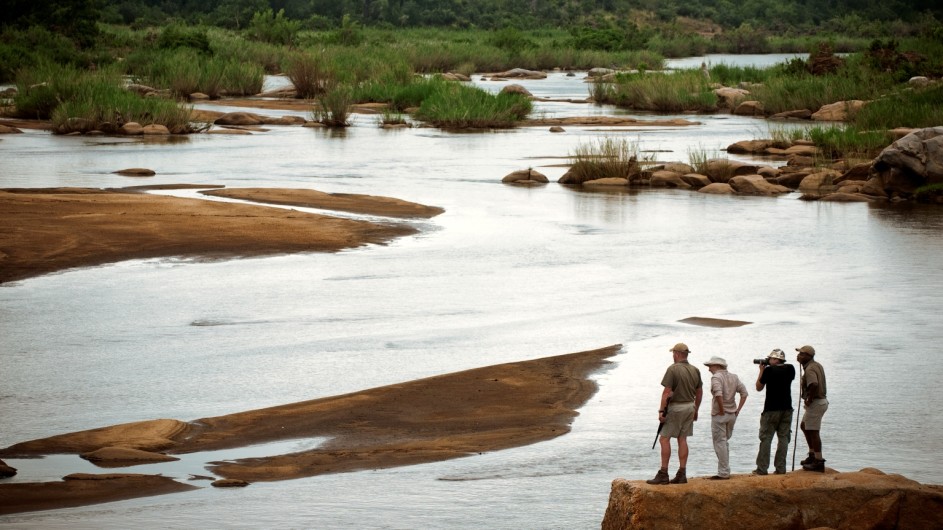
<point>683,392</point>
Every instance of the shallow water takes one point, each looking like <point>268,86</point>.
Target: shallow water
<point>506,274</point>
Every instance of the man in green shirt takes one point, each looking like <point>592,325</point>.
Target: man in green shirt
<point>682,385</point>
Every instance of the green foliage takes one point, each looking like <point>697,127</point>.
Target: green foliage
<point>848,141</point>
<point>82,101</point>
<point>610,39</point>
<point>458,106</point>
<point>273,28</point>
<point>511,40</point>
<point>685,90</point>
<point>31,46</point>
<point>932,193</point>
<point>606,157</point>
<point>185,71</point>
<point>349,34</point>
<point>916,108</point>
<point>181,36</point>
<point>308,74</point>
<point>334,106</point>
<point>743,39</point>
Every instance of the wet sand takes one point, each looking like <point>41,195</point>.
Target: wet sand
<point>49,230</point>
<point>344,202</point>
<point>427,420</point>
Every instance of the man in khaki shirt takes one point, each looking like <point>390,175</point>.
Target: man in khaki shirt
<point>682,385</point>
<point>813,391</point>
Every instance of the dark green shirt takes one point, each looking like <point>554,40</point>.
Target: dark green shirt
<point>683,380</point>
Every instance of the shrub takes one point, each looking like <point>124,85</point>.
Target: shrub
<point>308,74</point>
<point>686,90</point>
<point>454,105</point>
<point>334,106</point>
<point>179,36</point>
<point>605,157</point>
<point>511,40</point>
<point>273,28</point>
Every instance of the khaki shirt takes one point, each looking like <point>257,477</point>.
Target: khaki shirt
<point>683,380</point>
<point>814,373</point>
<point>727,386</point>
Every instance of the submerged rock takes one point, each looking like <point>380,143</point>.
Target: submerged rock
<point>798,500</point>
<point>525,176</point>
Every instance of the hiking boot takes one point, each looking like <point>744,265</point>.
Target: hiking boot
<point>680,477</point>
<point>759,472</point>
<point>809,459</point>
<point>660,478</point>
<point>718,477</point>
<point>780,471</point>
<point>816,465</point>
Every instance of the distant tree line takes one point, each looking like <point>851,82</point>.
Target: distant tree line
<point>76,18</point>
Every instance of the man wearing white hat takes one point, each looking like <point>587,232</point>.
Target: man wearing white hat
<point>724,410</point>
<point>776,376</point>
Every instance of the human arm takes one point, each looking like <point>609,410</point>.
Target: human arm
<point>759,379</point>
<point>697,401</point>
<point>811,390</point>
<point>663,404</point>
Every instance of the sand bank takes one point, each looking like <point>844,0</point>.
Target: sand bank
<point>344,202</point>
<point>427,420</point>
<point>48,230</point>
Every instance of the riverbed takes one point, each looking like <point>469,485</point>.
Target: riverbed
<point>505,274</point>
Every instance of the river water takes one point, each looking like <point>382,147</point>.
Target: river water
<point>506,274</point>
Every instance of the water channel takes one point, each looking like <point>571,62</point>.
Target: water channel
<point>506,274</point>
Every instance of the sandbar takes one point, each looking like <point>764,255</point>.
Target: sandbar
<point>345,202</point>
<point>426,420</point>
<point>714,322</point>
<point>49,230</point>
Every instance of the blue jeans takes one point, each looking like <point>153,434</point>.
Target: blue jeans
<point>778,422</point>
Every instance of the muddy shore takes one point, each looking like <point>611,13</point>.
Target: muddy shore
<point>427,420</point>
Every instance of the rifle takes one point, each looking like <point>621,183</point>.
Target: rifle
<point>661,424</point>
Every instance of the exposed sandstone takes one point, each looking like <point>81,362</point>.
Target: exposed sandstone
<point>135,172</point>
<point>124,456</point>
<point>516,89</point>
<point>795,501</point>
<point>756,185</point>
<point>718,188</point>
<point>525,176</point>
<point>6,471</point>
<point>839,111</point>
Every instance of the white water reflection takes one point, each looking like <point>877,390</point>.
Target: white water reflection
<point>506,274</point>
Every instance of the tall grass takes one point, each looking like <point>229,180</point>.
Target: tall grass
<point>849,142</point>
<point>606,157</point>
<point>81,101</point>
<point>334,106</point>
<point>685,90</point>
<point>909,108</point>
<point>454,105</point>
<point>185,71</point>
<point>309,75</point>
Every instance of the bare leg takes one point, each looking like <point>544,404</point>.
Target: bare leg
<point>815,441</point>
<point>682,452</point>
<point>666,451</point>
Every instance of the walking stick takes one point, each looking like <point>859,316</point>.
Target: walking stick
<point>661,424</point>
<point>795,441</point>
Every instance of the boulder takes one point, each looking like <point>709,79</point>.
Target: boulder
<point>132,128</point>
<point>839,111</point>
<point>668,179</point>
<point>746,147</point>
<point>820,182</point>
<point>792,179</point>
<point>729,97</point>
<point>677,167</point>
<point>155,130</point>
<point>841,196</point>
<point>283,120</point>
<point>722,169</point>
<point>198,96</point>
<point>749,108</point>
<point>802,150</point>
<point>857,172</point>
<point>800,161</point>
<point>557,129</point>
<point>516,89</point>
<point>799,114</point>
<point>124,456</point>
<point>455,76</point>
<point>240,118</point>
<point>235,132</point>
<point>768,172</point>
<point>718,188</point>
<point>695,180</point>
<point>918,81</point>
<point>525,176</point>
<point>6,471</point>
<point>607,182</point>
<point>756,185</point>
<point>913,161</point>
<point>797,500</point>
<point>141,90</point>
<point>135,172</point>
<point>599,72</point>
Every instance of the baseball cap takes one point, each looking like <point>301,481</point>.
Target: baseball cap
<point>681,348</point>
<point>806,349</point>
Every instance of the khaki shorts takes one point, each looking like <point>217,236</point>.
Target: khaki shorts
<point>679,423</point>
<point>812,418</point>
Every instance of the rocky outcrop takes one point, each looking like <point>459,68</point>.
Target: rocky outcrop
<point>136,172</point>
<point>516,89</point>
<point>729,98</point>
<point>749,108</point>
<point>6,471</point>
<point>795,501</point>
<point>913,161</point>
<point>520,73</point>
<point>756,185</point>
<point>839,111</point>
<point>124,456</point>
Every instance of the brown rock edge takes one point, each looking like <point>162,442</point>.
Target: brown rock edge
<point>714,322</point>
<point>426,420</point>
<point>344,202</point>
<point>48,230</point>
<point>83,489</point>
<point>798,500</point>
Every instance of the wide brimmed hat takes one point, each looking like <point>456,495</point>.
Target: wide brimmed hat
<point>680,348</point>
<point>716,360</point>
<point>777,354</point>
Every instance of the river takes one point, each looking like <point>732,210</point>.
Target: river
<point>506,274</point>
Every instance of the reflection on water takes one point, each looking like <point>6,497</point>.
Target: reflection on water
<point>505,274</point>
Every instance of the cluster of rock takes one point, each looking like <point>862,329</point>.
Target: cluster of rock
<point>794,501</point>
<point>913,161</point>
